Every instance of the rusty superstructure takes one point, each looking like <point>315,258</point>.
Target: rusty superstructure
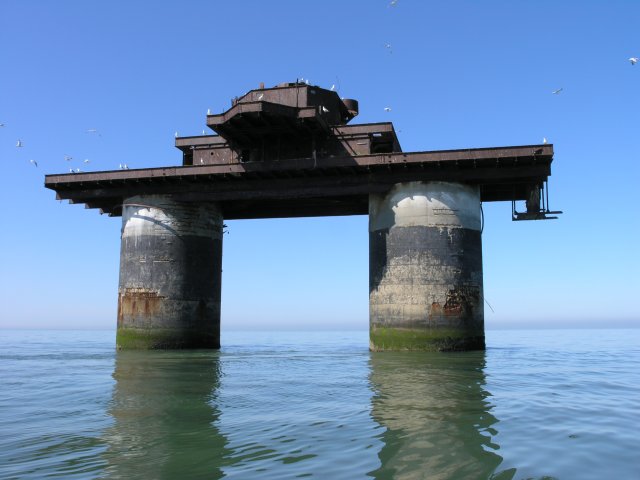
<point>293,142</point>
<point>288,151</point>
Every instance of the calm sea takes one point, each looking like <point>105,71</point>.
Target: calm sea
<point>537,404</point>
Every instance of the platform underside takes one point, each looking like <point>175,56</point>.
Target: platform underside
<point>319,187</point>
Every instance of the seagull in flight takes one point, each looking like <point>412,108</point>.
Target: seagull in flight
<point>393,3</point>
<point>387,109</point>
<point>94,130</point>
<point>388,47</point>
<point>19,143</point>
<point>556,92</point>
<point>1,125</point>
<point>86,160</point>
<point>33,162</point>
<point>634,60</point>
<point>325,109</point>
<point>68,158</point>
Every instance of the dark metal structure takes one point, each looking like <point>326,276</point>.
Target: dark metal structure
<point>288,151</point>
<point>292,142</point>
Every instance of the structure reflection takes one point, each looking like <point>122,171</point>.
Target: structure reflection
<point>165,415</point>
<point>437,416</point>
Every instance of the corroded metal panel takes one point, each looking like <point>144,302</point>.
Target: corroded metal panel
<point>425,277</point>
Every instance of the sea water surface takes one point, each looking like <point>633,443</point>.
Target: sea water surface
<point>277,405</point>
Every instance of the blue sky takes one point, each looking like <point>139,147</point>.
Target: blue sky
<point>459,74</point>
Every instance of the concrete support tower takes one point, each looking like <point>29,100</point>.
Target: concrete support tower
<point>425,268</point>
<point>170,274</point>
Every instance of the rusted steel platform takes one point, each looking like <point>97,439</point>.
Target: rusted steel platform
<point>291,142</point>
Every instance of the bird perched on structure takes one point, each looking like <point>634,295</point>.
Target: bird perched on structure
<point>208,111</point>
<point>33,162</point>
<point>19,143</point>
<point>333,88</point>
<point>261,96</point>
<point>176,134</point>
<point>556,92</point>
<point>633,60</point>
<point>544,140</point>
<point>325,109</point>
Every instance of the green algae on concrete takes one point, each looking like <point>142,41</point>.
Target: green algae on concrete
<point>163,338</point>
<point>424,339</point>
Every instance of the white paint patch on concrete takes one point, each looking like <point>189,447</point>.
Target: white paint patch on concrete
<point>426,204</point>
<point>159,215</point>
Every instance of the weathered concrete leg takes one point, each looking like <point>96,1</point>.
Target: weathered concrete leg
<point>170,274</point>
<point>425,268</point>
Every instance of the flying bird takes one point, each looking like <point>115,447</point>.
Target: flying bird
<point>94,130</point>
<point>86,160</point>
<point>68,158</point>
<point>325,109</point>
<point>387,109</point>
<point>388,47</point>
<point>1,124</point>
<point>393,3</point>
<point>260,97</point>
<point>19,143</point>
<point>556,92</point>
<point>33,162</point>
<point>633,60</point>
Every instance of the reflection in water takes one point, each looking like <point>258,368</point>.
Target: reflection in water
<point>436,413</point>
<point>165,417</point>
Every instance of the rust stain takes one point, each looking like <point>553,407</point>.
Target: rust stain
<point>138,302</point>
<point>459,302</point>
